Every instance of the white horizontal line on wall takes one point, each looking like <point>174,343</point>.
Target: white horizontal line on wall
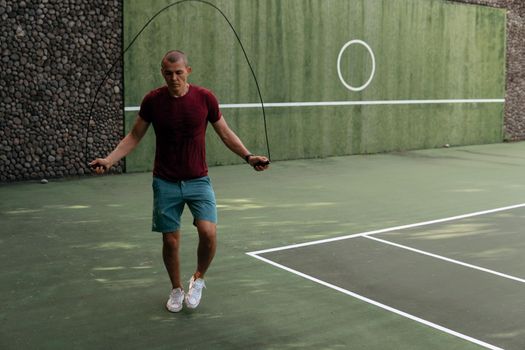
<point>346,103</point>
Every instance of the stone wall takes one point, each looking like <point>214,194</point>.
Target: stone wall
<point>54,55</point>
<point>515,99</point>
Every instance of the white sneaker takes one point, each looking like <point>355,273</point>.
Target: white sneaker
<point>174,303</point>
<point>193,297</point>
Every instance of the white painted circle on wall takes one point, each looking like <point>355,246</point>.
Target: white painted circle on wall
<point>345,46</point>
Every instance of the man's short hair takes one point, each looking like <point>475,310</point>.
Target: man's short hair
<point>175,56</point>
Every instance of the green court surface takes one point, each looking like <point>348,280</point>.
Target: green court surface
<point>475,287</point>
<point>81,269</point>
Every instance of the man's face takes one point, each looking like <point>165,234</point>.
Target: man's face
<point>176,75</point>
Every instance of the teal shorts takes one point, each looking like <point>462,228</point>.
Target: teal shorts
<point>169,199</point>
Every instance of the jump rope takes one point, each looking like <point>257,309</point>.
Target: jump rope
<point>121,58</point>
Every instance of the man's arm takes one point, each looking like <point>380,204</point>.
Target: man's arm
<point>125,147</point>
<point>234,143</point>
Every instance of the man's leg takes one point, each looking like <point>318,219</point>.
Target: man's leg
<point>207,245</point>
<point>205,253</point>
<point>170,253</point>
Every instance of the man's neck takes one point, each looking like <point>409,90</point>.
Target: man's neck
<point>180,92</point>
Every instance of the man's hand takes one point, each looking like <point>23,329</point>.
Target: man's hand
<point>100,165</point>
<point>259,163</point>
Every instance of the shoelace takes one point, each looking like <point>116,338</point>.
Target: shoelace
<point>196,286</point>
<point>177,292</point>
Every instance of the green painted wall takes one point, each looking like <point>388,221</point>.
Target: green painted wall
<point>424,49</point>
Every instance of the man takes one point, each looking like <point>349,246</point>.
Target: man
<point>180,112</point>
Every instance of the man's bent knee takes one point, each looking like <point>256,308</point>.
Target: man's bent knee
<point>171,239</point>
<point>206,229</point>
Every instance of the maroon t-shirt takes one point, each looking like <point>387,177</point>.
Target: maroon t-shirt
<point>180,129</point>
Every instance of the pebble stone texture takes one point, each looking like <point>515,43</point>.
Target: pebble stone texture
<point>55,54</point>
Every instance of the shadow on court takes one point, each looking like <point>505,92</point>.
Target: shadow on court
<point>81,269</point>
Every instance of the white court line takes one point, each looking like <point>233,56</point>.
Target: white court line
<point>390,229</point>
<point>383,306</point>
<point>457,262</point>
<point>368,235</point>
<point>345,103</point>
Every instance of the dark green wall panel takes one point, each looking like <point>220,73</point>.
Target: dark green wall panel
<point>424,49</point>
